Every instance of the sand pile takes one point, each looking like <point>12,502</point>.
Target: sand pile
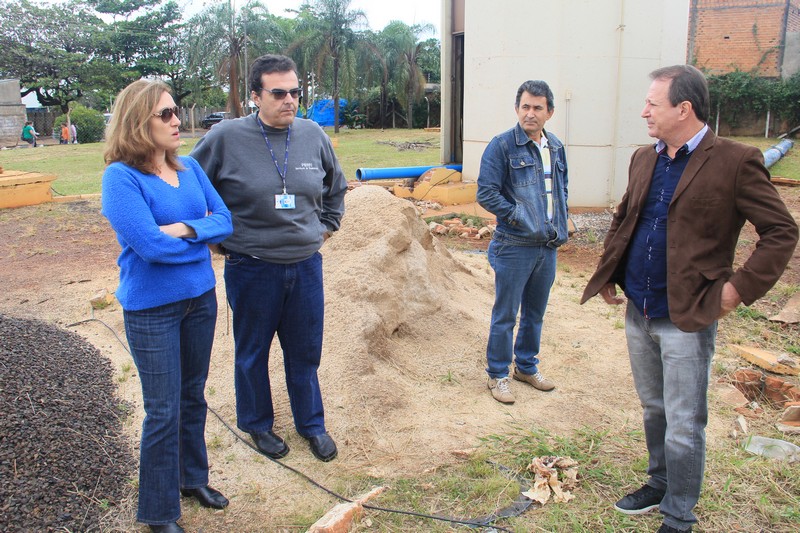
<point>388,268</point>
<point>406,323</point>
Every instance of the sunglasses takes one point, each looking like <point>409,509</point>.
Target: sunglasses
<point>280,94</point>
<point>166,113</point>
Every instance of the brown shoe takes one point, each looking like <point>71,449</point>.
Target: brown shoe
<point>501,390</point>
<point>537,380</point>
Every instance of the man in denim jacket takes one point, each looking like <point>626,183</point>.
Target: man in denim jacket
<point>523,181</point>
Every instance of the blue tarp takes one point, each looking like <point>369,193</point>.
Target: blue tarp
<point>322,112</point>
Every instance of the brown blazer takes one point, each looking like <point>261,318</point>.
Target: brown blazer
<point>724,184</point>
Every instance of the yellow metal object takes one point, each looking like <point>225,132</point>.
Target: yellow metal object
<point>19,188</point>
<point>440,185</point>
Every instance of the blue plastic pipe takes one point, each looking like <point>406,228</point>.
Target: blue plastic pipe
<point>389,173</point>
<point>774,153</point>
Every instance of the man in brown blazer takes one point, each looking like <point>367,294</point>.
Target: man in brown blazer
<point>670,248</point>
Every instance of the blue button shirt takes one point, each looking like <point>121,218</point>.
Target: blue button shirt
<point>646,267</point>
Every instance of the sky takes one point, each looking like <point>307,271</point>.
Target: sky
<point>379,12</point>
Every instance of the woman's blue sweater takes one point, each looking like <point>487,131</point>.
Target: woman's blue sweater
<point>155,268</point>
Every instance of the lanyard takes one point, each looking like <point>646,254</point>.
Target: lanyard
<point>272,153</point>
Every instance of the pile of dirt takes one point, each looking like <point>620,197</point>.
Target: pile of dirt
<point>402,314</point>
<point>64,459</point>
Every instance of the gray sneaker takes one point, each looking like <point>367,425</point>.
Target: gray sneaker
<point>537,380</point>
<point>501,390</point>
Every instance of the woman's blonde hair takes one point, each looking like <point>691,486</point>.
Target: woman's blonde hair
<point>128,136</point>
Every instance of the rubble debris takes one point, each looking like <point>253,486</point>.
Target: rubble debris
<point>790,421</point>
<point>729,394</point>
<point>455,227</point>
<point>779,364</point>
<point>757,386</point>
<point>790,314</point>
<point>341,517</point>
<point>102,299</point>
<point>403,146</point>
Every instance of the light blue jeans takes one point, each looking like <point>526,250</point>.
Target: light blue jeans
<point>671,370</point>
<point>171,346</point>
<point>522,281</point>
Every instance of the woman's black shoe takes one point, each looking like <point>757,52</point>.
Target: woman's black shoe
<point>172,527</point>
<point>207,497</point>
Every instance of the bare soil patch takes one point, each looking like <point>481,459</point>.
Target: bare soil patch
<point>404,353</point>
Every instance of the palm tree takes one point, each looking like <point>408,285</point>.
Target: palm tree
<point>330,37</point>
<point>221,40</point>
<point>384,48</point>
<point>410,70</point>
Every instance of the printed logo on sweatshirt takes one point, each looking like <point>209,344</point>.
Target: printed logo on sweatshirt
<point>307,166</point>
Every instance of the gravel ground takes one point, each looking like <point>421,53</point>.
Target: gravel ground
<point>63,459</point>
<point>592,227</point>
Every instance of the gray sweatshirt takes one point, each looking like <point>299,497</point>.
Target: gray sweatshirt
<point>236,158</point>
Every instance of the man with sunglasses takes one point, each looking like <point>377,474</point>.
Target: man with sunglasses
<point>281,180</point>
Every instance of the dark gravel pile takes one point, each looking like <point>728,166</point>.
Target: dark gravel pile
<point>63,459</point>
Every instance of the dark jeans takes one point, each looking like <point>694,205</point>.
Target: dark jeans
<point>171,346</point>
<point>286,299</point>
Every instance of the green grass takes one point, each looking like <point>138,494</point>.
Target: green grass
<point>788,166</point>
<point>741,491</point>
<point>79,167</point>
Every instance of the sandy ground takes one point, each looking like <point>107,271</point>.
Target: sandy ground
<point>403,359</point>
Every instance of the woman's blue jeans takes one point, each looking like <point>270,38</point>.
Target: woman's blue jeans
<point>287,299</point>
<point>171,346</point>
<point>671,370</point>
<point>522,281</point>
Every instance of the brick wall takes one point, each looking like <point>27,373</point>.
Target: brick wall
<point>747,35</point>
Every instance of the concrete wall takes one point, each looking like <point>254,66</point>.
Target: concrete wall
<point>595,55</point>
<point>12,113</point>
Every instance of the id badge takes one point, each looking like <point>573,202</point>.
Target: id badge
<point>284,201</point>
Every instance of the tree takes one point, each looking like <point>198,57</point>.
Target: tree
<point>56,60</point>
<point>411,72</point>
<point>221,41</point>
<point>140,37</point>
<point>385,49</point>
<point>430,60</point>
<point>72,51</point>
<point>330,37</point>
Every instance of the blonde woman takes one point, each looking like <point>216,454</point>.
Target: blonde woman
<point>165,212</point>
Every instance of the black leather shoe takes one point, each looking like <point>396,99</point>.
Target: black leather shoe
<point>323,447</point>
<point>270,444</point>
<point>207,497</point>
<point>166,528</point>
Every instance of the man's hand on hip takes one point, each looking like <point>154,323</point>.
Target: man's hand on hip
<point>729,300</point>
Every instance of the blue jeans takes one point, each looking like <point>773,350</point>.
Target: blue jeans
<point>287,299</point>
<point>522,281</point>
<point>671,370</point>
<point>171,346</point>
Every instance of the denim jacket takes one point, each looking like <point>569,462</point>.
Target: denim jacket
<point>511,187</point>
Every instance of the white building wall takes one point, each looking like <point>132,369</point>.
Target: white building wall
<point>595,55</point>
